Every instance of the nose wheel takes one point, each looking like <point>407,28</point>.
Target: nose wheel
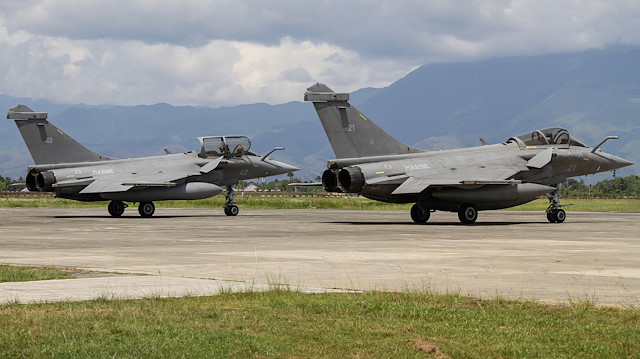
<point>555,213</point>
<point>230,208</point>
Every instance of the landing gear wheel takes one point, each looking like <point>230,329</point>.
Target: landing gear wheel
<point>231,210</point>
<point>419,214</point>
<point>116,208</point>
<point>556,215</point>
<point>467,214</point>
<point>146,209</point>
<point>550,217</point>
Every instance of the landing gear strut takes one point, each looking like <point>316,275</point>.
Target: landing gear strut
<point>554,212</point>
<point>230,208</point>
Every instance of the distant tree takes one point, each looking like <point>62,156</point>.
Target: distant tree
<point>617,187</point>
<point>574,187</point>
<point>240,185</point>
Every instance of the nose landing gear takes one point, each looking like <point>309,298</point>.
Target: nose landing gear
<point>230,208</point>
<point>555,213</point>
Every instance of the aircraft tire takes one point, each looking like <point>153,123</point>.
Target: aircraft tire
<point>557,216</point>
<point>116,208</point>
<point>467,214</point>
<point>419,214</point>
<point>231,210</point>
<point>146,209</point>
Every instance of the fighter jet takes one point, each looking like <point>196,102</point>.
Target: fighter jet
<point>72,171</point>
<point>372,163</point>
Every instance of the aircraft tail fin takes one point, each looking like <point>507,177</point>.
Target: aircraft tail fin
<point>351,133</point>
<point>46,143</point>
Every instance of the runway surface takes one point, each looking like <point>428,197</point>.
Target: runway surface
<point>512,254</point>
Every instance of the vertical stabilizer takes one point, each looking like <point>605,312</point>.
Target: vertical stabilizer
<point>46,143</point>
<point>351,133</point>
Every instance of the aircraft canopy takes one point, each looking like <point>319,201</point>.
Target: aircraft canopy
<point>213,146</point>
<point>548,136</point>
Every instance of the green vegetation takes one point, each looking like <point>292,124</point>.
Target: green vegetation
<point>618,187</point>
<point>305,201</point>
<point>290,324</point>
<point>256,201</point>
<point>23,274</point>
<point>588,205</point>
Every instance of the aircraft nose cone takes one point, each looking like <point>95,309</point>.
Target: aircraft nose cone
<point>289,168</point>
<point>284,168</point>
<point>615,162</point>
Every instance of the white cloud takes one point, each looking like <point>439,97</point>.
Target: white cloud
<point>230,52</point>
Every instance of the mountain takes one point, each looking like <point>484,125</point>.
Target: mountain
<point>593,94</point>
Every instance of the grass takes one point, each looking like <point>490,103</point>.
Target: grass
<point>588,205</point>
<point>315,202</point>
<point>289,324</point>
<point>10,273</point>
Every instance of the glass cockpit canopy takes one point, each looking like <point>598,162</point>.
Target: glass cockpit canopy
<point>213,146</point>
<point>549,136</point>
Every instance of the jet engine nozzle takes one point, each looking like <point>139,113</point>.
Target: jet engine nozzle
<point>31,181</point>
<point>350,180</point>
<point>330,181</point>
<point>45,181</point>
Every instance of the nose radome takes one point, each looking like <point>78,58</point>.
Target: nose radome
<point>284,168</point>
<point>613,162</point>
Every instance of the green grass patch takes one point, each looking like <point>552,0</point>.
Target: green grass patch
<point>9,273</point>
<point>588,205</point>
<point>339,202</point>
<point>289,324</point>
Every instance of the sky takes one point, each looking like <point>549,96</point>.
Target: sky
<point>229,52</point>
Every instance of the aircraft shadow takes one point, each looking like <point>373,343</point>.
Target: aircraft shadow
<point>477,224</point>
<point>125,218</point>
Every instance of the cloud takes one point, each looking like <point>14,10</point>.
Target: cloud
<point>229,52</point>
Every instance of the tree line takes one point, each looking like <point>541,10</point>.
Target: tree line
<point>610,188</point>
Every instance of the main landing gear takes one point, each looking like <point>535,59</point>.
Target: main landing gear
<point>554,212</point>
<point>230,208</point>
<point>146,209</point>
<point>116,208</point>
<point>420,214</point>
<point>468,214</point>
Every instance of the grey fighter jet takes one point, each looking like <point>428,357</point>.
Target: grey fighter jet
<point>72,171</point>
<point>377,166</point>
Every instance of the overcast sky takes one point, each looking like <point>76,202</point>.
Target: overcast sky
<point>216,53</point>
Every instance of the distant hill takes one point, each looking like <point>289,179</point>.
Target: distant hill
<point>438,106</point>
<point>593,94</point>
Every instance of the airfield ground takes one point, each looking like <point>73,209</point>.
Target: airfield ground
<point>593,256</point>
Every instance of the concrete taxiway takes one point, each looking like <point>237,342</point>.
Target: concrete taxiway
<point>512,254</point>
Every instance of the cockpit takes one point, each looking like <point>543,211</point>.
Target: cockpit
<point>554,136</point>
<point>214,146</point>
